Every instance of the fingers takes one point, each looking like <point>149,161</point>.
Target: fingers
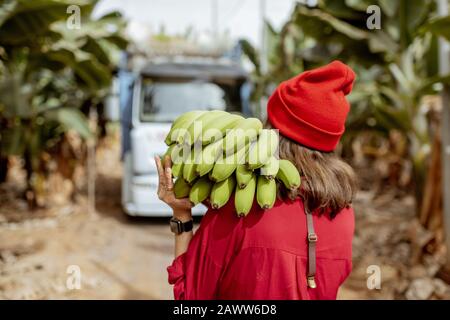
<point>159,166</point>
<point>167,162</point>
<point>168,173</point>
<point>169,181</point>
<point>160,173</point>
<point>165,186</point>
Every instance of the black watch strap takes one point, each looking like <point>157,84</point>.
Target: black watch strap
<point>177,226</point>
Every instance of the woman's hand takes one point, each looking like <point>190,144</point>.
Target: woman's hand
<point>181,207</point>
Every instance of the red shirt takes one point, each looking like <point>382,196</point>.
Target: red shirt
<point>264,255</point>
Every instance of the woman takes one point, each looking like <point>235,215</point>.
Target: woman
<point>299,249</point>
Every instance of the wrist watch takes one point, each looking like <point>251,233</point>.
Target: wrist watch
<point>178,227</point>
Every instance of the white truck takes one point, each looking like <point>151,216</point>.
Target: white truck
<point>160,93</point>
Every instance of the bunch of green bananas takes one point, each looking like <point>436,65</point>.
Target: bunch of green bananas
<point>215,154</point>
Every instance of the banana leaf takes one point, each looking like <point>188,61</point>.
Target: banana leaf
<point>359,5</point>
<point>312,19</point>
<point>415,13</point>
<point>389,7</point>
<point>439,26</point>
<point>339,9</point>
<point>71,119</point>
<point>92,74</point>
<point>251,53</point>
<point>6,8</point>
<point>26,20</point>
<point>365,45</point>
<point>389,119</point>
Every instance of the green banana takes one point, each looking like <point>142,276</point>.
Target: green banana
<point>270,169</point>
<point>189,168</point>
<point>181,188</point>
<point>225,166</point>
<point>200,190</point>
<point>221,192</point>
<point>244,132</point>
<point>243,198</point>
<point>266,192</point>
<point>195,129</point>
<point>177,169</point>
<point>208,157</point>
<point>176,153</point>
<point>215,130</point>
<point>181,123</point>
<point>169,151</point>
<point>265,147</point>
<point>243,175</point>
<point>289,175</point>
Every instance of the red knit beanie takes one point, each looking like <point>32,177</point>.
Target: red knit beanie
<point>311,108</point>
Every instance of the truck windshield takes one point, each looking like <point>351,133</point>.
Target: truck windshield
<point>165,101</point>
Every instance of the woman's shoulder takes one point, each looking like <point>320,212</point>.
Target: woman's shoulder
<point>259,228</point>
<point>281,227</point>
<point>226,217</point>
<point>284,213</point>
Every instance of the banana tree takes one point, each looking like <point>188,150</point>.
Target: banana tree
<point>47,73</point>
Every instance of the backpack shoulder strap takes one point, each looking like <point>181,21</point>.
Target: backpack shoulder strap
<point>312,239</point>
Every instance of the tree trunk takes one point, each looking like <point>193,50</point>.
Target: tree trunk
<point>431,211</point>
<point>30,194</point>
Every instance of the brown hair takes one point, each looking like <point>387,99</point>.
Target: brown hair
<point>328,183</point>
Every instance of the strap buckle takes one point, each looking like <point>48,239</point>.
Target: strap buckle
<point>311,282</point>
<point>312,237</point>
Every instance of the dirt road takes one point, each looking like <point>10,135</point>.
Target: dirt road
<point>117,257</point>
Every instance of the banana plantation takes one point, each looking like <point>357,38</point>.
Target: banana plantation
<point>50,77</point>
<point>58,65</point>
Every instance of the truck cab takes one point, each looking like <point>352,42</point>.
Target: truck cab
<point>161,92</point>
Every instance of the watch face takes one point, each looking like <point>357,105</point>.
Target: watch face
<point>175,226</point>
